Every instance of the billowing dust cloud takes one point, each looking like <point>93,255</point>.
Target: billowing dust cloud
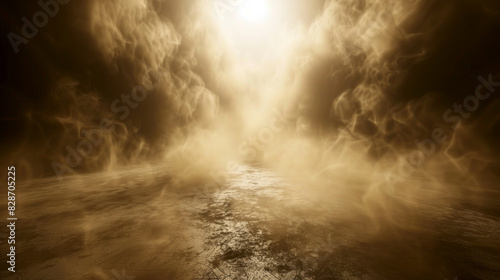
<point>340,89</point>
<point>385,103</point>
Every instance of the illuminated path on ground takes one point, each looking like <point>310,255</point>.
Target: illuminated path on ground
<point>133,223</point>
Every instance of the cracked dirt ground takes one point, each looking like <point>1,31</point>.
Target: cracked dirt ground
<point>134,225</point>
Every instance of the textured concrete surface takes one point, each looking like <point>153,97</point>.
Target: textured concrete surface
<point>134,225</point>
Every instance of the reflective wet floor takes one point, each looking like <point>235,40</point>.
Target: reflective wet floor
<point>134,225</point>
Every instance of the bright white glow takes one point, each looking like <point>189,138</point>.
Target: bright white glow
<point>253,10</point>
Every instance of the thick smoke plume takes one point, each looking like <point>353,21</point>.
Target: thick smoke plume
<point>371,84</point>
<point>385,107</point>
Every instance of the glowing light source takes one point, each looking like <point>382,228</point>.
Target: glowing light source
<point>253,10</point>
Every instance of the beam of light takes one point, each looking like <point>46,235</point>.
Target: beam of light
<point>253,10</point>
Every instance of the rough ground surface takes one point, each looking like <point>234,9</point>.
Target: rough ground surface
<point>133,225</point>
